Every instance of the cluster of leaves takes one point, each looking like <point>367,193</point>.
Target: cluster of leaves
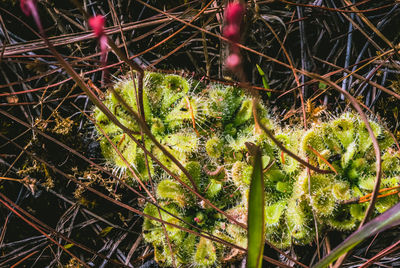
<point>205,127</point>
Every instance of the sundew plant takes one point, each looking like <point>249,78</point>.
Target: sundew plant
<point>205,127</point>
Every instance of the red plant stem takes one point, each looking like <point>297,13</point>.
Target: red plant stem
<point>23,259</point>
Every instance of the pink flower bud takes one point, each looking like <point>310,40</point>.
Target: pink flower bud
<point>27,6</point>
<point>103,40</point>
<point>232,32</point>
<point>234,13</point>
<point>97,25</point>
<point>30,9</point>
<point>233,61</point>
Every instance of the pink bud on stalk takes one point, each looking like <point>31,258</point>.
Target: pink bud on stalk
<point>232,32</point>
<point>233,17</point>
<point>233,61</point>
<point>30,9</point>
<point>97,24</point>
<point>234,13</point>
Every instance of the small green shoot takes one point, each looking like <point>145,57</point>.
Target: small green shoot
<point>264,79</point>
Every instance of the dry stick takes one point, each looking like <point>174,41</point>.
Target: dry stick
<point>24,258</point>
<point>71,150</point>
<point>339,69</point>
<point>70,38</point>
<point>296,78</point>
<point>140,213</point>
<point>379,196</point>
<point>133,249</point>
<point>380,191</point>
<point>53,231</point>
<point>372,83</point>
<point>3,231</point>
<point>339,10</point>
<point>41,231</point>
<point>383,253</point>
<point>261,54</point>
<point>374,29</point>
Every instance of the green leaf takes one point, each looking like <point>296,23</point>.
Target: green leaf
<point>105,231</point>
<point>322,86</point>
<point>67,246</point>
<point>384,221</point>
<point>255,221</point>
<point>264,79</point>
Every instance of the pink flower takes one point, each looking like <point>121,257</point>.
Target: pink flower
<point>232,32</point>
<point>27,6</point>
<point>233,61</point>
<point>234,13</point>
<point>97,24</point>
<point>30,9</point>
